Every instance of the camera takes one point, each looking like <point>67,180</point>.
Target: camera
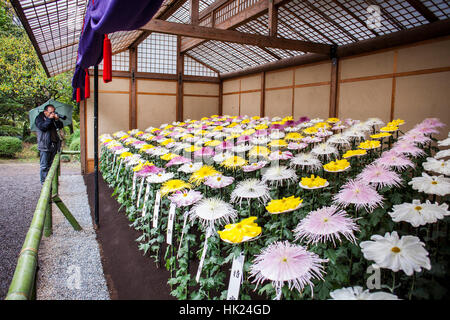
<point>61,116</point>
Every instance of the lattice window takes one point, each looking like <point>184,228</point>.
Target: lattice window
<point>231,9</point>
<point>440,8</point>
<point>194,68</point>
<point>158,54</point>
<point>119,62</point>
<point>182,15</point>
<point>207,53</point>
<point>403,13</point>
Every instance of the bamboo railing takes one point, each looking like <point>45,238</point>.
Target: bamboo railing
<point>23,284</point>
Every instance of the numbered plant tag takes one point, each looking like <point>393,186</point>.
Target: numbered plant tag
<point>114,162</point>
<point>147,193</point>
<point>236,277</point>
<point>172,209</point>
<point>185,216</point>
<point>133,191</point>
<point>140,192</point>
<point>156,209</point>
<point>202,260</point>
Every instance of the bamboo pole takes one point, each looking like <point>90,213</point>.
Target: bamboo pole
<point>23,280</point>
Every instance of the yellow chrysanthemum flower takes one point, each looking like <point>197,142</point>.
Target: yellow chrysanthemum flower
<point>337,165</point>
<point>261,126</point>
<point>233,136</point>
<point>218,128</point>
<point>167,141</point>
<point>212,143</point>
<point>248,132</point>
<point>174,185</point>
<point>256,117</point>
<point>322,125</point>
<point>125,154</point>
<point>241,231</point>
<point>332,120</point>
<point>389,129</point>
<point>294,136</point>
<point>396,122</point>
<point>147,146</point>
<point>284,204</point>
<point>186,136</point>
<point>278,143</point>
<point>141,165</point>
<point>169,156</point>
<point>369,144</point>
<point>201,174</point>
<point>380,135</point>
<point>352,153</point>
<point>313,182</point>
<point>234,162</point>
<point>259,151</point>
<point>232,125</point>
<point>310,130</point>
<point>192,148</point>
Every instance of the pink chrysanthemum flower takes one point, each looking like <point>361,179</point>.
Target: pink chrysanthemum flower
<point>204,152</point>
<point>296,145</point>
<point>433,122</point>
<point>391,159</point>
<point>185,198</point>
<point>360,194</point>
<point>408,148</point>
<point>283,262</point>
<point>177,161</point>
<point>218,181</point>
<point>425,128</point>
<point>325,224</point>
<point>414,136</point>
<point>379,176</point>
<point>225,145</point>
<point>148,170</point>
<point>280,155</point>
<point>254,166</point>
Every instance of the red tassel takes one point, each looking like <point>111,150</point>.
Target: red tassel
<point>87,87</point>
<point>78,94</point>
<point>107,60</point>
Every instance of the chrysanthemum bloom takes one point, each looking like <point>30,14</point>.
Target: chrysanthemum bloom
<point>433,122</point>
<point>185,198</point>
<point>354,133</point>
<point>201,174</point>
<point>379,176</point>
<point>394,160</point>
<point>313,182</point>
<point>369,144</point>
<point>293,136</point>
<point>339,139</point>
<point>173,186</point>
<point>218,181</point>
<point>159,177</point>
<point>283,205</point>
<point>391,252</point>
<point>359,193</point>
<point>414,136</point>
<point>283,262</point>
<point>374,122</point>
<point>445,142</point>
<point>204,152</point>
<point>442,154</point>
<point>244,230</point>
<point>408,148</point>
<point>279,175</point>
<point>380,135</point>
<point>212,211</point>
<point>225,145</point>
<point>280,155</point>
<point>234,162</point>
<point>157,151</point>
<point>336,166</point>
<point>177,161</point>
<point>306,161</point>
<point>439,166</point>
<point>297,146</point>
<point>419,214</point>
<point>190,167</point>
<point>277,134</point>
<point>259,151</point>
<point>254,166</point>
<point>325,224</point>
<point>325,150</point>
<point>147,170</point>
<point>311,139</point>
<point>250,189</point>
<point>357,293</point>
<point>431,184</point>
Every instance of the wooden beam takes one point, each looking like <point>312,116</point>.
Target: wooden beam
<point>194,11</point>
<point>202,63</point>
<point>220,98</point>
<point>423,10</point>
<point>234,36</point>
<point>180,73</point>
<point>334,87</point>
<point>133,88</point>
<point>262,107</point>
<point>273,19</point>
<point>428,31</point>
<point>258,9</point>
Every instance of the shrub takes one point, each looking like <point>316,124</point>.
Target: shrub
<point>30,139</point>
<point>75,144</point>
<point>10,146</point>
<point>34,148</point>
<point>65,158</point>
<point>11,131</point>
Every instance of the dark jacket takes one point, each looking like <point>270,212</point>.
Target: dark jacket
<point>46,127</point>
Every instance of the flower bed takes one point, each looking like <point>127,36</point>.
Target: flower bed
<point>240,207</point>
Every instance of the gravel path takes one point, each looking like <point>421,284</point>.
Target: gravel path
<point>69,260</point>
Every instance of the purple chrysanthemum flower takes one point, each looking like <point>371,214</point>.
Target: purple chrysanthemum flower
<point>296,146</point>
<point>147,170</point>
<point>177,161</point>
<point>204,152</point>
<point>359,193</point>
<point>225,145</point>
<point>283,262</point>
<point>254,166</point>
<point>379,176</point>
<point>244,138</point>
<point>324,224</point>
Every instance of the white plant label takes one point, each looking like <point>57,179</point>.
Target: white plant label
<point>156,209</point>
<point>118,170</point>
<point>133,191</point>
<point>172,209</point>
<point>147,193</point>
<point>236,277</point>
<point>140,192</point>
<point>202,260</point>
<point>185,216</point>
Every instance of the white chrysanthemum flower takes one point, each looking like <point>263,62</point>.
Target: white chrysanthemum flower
<point>439,166</point>
<point>277,134</point>
<point>419,214</point>
<point>339,138</point>
<point>240,148</point>
<point>263,140</point>
<point>159,177</point>
<point>391,252</point>
<point>221,157</point>
<point>306,160</point>
<point>354,134</point>
<point>212,211</point>
<point>374,122</point>
<point>190,167</point>
<point>445,142</point>
<point>442,154</point>
<point>357,293</point>
<point>134,160</point>
<point>158,151</point>
<point>431,184</point>
<point>325,149</point>
<point>279,175</point>
<point>250,189</point>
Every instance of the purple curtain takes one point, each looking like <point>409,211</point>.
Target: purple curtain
<point>103,17</point>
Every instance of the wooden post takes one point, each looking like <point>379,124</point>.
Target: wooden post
<point>194,11</point>
<point>273,19</point>
<point>220,97</point>
<point>133,88</point>
<point>96,200</point>
<point>334,84</point>
<point>262,107</point>
<point>180,72</point>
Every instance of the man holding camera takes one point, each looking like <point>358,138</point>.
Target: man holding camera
<point>49,142</point>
